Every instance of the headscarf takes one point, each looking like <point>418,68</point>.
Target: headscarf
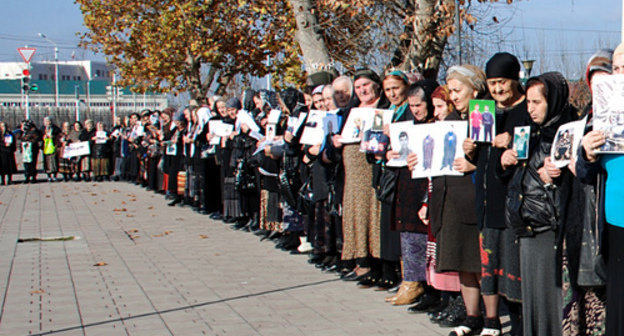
<point>429,86</point>
<point>559,109</point>
<point>367,73</point>
<point>503,65</point>
<point>233,103</point>
<point>599,61</point>
<point>469,75</point>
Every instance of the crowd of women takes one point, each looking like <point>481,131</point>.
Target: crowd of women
<point>507,232</point>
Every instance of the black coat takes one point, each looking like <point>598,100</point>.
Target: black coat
<point>490,189</point>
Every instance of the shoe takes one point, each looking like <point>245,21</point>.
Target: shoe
<point>174,202</point>
<point>261,232</point>
<point>316,258</point>
<point>394,289</point>
<point>384,285</point>
<point>456,316</point>
<point>229,220</point>
<point>353,276</point>
<point>424,304</point>
<point>368,281</point>
<point>491,327</point>
<point>442,312</point>
<point>304,245</point>
<point>471,325</point>
<point>413,290</point>
<point>239,225</point>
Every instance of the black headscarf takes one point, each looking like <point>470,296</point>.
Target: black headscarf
<point>428,85</point>
<point>559,109</point>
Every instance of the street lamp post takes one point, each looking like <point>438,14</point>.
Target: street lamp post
<point>528,66</point>
<point>56,72</point>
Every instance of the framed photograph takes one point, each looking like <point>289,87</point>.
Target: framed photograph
<point>566,142</point>
<point>521,141</point>
<point>361,120</point>
<point>482,117</point>
<point>608,110</point>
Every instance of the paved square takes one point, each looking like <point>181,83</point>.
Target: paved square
<point>140,267</point>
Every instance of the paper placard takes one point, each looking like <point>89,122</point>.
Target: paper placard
<point>76,149</point>
<point>482,120</point>
<point>521,141</point>
<point>361,120</point>
<point>566,142</point>
<point>437,145</point>
<point>608,110</point>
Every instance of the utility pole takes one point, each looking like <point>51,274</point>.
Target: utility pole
<point>458,27</point>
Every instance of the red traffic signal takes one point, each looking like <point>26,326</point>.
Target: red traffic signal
<point>26,72</point>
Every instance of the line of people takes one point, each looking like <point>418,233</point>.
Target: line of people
<point>506,232</point>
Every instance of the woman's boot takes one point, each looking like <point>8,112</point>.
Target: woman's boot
<point>411,291</point>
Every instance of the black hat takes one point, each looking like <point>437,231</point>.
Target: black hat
<point>366,73</point>
<point>503,65</point>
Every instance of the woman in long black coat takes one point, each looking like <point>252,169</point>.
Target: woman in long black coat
<point>7,154</point>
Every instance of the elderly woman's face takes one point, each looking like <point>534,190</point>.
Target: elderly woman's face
<point>342,93</point>
<point>47,122</point>
<point>365,90</point>
<point>232,112</point>
<point>221,108</point>
<point>395,90</point>
<point>461,94</point>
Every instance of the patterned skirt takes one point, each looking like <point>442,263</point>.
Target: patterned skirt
<point>500,264</point>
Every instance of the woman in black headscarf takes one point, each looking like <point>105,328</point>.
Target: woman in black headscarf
<point>535,199</point>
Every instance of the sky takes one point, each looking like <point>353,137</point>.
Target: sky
<point>558,34</point>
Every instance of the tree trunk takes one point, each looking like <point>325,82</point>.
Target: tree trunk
<point>423,48</point>
<point>313,47</point>
<point>193,79</point>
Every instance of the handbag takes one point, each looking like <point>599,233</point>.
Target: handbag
<point>592,269</point>
<point>48,146</point>
<point>386,186</point>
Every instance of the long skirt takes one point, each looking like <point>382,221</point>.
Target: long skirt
<point>100,166</point>
<point>265,222</point>
<point>361,209</point>
<point>615,280</point>
<point>444,281</point>
<point>583,308</point>
<point>50,165</point>
<point>413,250</point>
<point>541,297</point>
<point>500,264</point>
<point>231,196</point>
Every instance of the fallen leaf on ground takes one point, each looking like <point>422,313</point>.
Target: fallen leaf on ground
<point>168,232</point>
<point>133,230</point>
<point>133,200</point>
<point>115,190</point>
<point>157,235</point>
<point>122,202</point>
<point>101,263</point>
<point>203,236</point>
<point>129,215</point>
<point>150,207</point>
<point>179,219</point>
<point>94,194</point>
<point>120,209</point>
<point>48,196</point>
<point>38,291</point>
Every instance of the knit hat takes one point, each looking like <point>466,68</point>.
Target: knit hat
<point>233,103</point>
<point>599,61</point>
<point>503,65</point>
<point>469,75</point>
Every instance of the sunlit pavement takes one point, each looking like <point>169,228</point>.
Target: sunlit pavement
<point>139,267</point>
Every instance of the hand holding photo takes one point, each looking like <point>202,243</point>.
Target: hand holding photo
<point>521,141</point>
<point>482,120</point>
<point>566,142</point>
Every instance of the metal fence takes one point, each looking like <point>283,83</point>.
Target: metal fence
<point>14,115</point>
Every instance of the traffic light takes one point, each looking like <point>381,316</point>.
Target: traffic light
<point>34,87</point>
<point>26,83</point>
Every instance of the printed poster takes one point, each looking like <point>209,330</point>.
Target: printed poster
<point>608,110</point>
<point>313,133</point>
<point>76,149</point>
<point>437,145</point>
<point>566,142</point>
<point>361,120</point>
<point>482,117</point>
<point>399,140</point>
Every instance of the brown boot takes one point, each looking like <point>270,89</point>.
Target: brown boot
<point>395,296</point>
<point>411,291</point>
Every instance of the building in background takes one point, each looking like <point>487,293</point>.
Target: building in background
<point>82,81</point>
